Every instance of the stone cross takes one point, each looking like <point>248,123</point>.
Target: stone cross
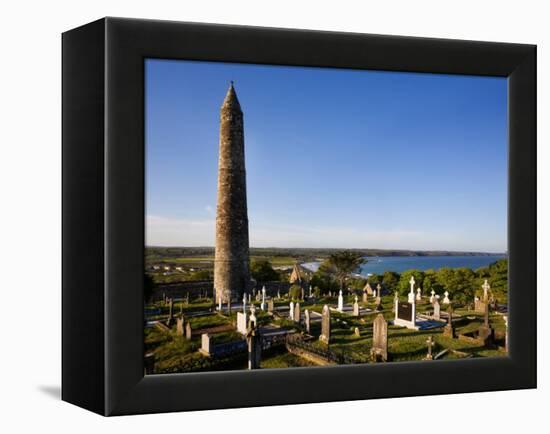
<point>340,302</point>
<point>297,313</point>
<point>430,343</point>
<point>291,312</point>
<point>379,288</point>
<point>325,326</point>
<point>432,298</point>
<point>379,348</point>
<point>412,297</point>
<point>307,321</point>
<point>446,299</point>
<point>310,292</point>
<point>486,288</point>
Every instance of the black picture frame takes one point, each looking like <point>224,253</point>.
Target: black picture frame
<point>103,215</point>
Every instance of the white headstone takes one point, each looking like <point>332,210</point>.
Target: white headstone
<point>220,303</point>
<point>432,297</point>
<point>241,322</point>
<point>418,294</point>
<point>291,312</point>
<point>244,303</point>
<point>307,320</point>
<point>340,302</point>
<point>446,299</point>
<point>262,306</point>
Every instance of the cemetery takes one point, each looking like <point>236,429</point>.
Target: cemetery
<point>270,329</point>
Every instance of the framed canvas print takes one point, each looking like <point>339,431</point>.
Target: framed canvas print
<point>258,216</point>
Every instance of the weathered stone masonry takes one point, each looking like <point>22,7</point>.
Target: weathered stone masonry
<point>231,262</point>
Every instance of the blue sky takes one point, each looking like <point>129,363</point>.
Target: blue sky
<point>334,158</point>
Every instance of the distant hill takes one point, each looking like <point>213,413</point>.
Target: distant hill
<point>303,252</point>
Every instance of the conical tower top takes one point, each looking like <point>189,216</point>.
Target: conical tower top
<point>231,101</point>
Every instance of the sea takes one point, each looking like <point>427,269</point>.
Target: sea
<point>379,264</point>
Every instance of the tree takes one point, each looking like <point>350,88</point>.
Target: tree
<point>390,279</point>
<point>323,277</point>
<point>262,271</point>
<point>295,292</point>
<point>344,263</point>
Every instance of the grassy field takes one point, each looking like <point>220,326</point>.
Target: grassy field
<point>172,351</point>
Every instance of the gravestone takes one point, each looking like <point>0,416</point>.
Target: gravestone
<point>379,289</point>
<point>303,295</point>
<point>291,311</point>
<point>378,303</point>
<point>262,306</point>
<point>355,307</point>
<point>485,332</point>
<point>170,320</point>
<point>432,296</point>
<point>297,313</point>
<point>365,297</point>
<point>395,301</point>
<point>179,326</point>
<point>254,344</point>
<point>446,299</point>
<point>486,287</point>
<point>325,326</point>
<point>379,350</point>
<point>278,294</point>
<point>430,343</point>
<point>357,332</point>
<point>220,303</point>
<point>374,293</point>
<point>205,344</point>
<point>253,320</point>
<point>241,323</point>
<point>188,331</point>
<point>244,302</point>
<point>449,330</point>
<point>229,305</point>
<point>270,306</point>
<point>437,310</point>
<point>340,302</point>
<point>418,294</point>
<point>405,314</point>
<point>310,292</point>
<point>307,321</point>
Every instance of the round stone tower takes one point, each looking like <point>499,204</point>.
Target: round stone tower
<point>231,262</point>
